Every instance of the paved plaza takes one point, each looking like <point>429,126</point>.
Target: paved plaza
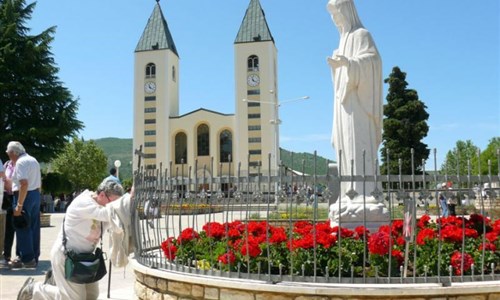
<point>122,279</point>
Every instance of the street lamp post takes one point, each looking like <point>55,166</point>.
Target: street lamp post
<point>118,164</point>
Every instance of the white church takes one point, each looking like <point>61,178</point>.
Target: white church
<point>173,140</point>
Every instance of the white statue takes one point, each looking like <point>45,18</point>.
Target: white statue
<point>357,119</point>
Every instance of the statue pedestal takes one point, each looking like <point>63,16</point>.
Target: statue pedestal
<point>358,211</point>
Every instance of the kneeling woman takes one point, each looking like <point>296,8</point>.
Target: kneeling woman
<point>82,226</point>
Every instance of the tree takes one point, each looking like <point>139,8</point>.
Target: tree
<point>405,125</point>
<point>36,109</point>
<point>56,183</point>
<point>83,163</point>
<point>490,154</point>
<point>460,157</point>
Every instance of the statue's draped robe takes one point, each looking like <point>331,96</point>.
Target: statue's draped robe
<point>357,115</point>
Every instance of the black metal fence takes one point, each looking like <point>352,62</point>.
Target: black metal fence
<point>275,227</point>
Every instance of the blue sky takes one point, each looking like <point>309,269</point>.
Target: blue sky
<point>449,50</point>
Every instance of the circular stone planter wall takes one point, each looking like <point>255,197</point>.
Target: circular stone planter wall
<point>44,220</point>
<point>172,285</point>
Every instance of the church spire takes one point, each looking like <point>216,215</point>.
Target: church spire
<point>254,25</point>
<point>156,35</point>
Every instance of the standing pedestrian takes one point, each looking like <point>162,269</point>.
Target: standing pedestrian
<point>112,176</point>
<point>443,203</point>
<point>27,178</point>
<point>8,200</point>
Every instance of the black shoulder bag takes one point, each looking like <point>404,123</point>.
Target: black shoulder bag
<point>83,267</point>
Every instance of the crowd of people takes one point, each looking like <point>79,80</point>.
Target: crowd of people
<point>89,215</point>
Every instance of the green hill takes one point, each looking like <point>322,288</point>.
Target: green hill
<point>118,149</point>
<point>304,162</point>
<point>121,149</point>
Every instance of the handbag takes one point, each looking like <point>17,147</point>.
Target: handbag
<point>84,267</point>
<point>21,221</point>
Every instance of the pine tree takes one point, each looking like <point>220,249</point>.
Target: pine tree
<point>405,125</point>
<point>36,109</point>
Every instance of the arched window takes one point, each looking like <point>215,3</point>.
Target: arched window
<point>180,148</point>
<point>173,73</point>
<point>203,140</point>
<point>253,63</point>
<point>226,145</point>
<point>150,70</point>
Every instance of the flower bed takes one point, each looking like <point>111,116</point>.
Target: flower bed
<point>462,246</point>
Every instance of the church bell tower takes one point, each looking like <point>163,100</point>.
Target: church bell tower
<point>257,122</point>
<point>156,90</point>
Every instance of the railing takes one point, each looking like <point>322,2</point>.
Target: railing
<point>226,226</point>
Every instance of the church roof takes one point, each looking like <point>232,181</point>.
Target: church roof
<point>254,25</point>
<point>156,35</point>
<point>202,110</point>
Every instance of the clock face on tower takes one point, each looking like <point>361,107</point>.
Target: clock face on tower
<point>253,80</point>
<point>150,87</point>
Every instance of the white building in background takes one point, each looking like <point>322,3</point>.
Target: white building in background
<point>247,136</point>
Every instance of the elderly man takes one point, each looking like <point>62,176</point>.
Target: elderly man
<point>27,180</point>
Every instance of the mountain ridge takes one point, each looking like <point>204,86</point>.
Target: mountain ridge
<point>122,149</point>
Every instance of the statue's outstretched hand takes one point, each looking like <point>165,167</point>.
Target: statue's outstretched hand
<point>337,61</point>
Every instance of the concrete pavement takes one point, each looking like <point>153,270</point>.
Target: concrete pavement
<point>122,279</point>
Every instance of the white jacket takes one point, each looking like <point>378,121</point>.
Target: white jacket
<point>120,220</point>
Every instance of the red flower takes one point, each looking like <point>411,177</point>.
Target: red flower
<point>496,226</point>
<point>451,220</point>
<point>423,221</point>
<point>400,241</point>
<point>397,227</point>
<point>456,262</point>
<point>361,231</point>
<point>257,228</point>
<point>325,239</point>
<point>302,227</point>
<point>169,248</point>
<point>305,242</point>
<point>379,243</point>
<point>227,258</point>
<point>492,236</point>
<point>384,228</point>
<point>250,247</point>
<point>233,233</point>
<point>398,255</point>
<point>425,234</point>
<point>238,225</point>
<point>452,234</point>
<point>324,227</point>
<point>488,247</point>
<point>471,233</point>
<point>344,232</point>
<point>278,235</point>
<point>187,235</point>
<point>214,230</point>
